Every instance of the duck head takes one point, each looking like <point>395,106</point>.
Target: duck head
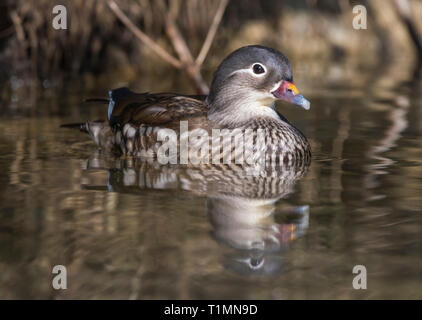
<point>248,82</point>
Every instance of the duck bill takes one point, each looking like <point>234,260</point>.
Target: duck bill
<point>287,91</point>
<point>300,100</point>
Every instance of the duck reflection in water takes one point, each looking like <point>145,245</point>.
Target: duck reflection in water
<point>242,208</point>
<point>248,225</point>
<point>241,204</point>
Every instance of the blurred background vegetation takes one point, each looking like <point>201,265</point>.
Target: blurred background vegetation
<point>312,33</point>
<point>364,126</point>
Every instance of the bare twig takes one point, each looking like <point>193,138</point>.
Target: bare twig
<point>17,22</point>
<point>142,36</point>
<point>178,42</point>
<point>211,32</point>
<point>190,67</point>
<point>180,46</point>
<point>186,61</point>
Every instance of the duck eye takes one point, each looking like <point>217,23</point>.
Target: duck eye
<point>258,69</point>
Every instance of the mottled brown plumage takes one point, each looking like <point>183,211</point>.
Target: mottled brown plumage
<point>241,98</point>
<point>160,109</point>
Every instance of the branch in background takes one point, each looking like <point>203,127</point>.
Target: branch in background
<point>186,61</point>
<point>404,12</point>
<point>17,22</point>
<point>142,36</point>
<point>211,32</point>
<point>191,68</point>
<point>174,35</point>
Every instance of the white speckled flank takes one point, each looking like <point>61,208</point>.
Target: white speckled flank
<point>265,140</point>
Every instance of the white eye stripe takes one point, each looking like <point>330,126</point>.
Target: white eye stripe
<point>250,70</point>
<point>276,86</point>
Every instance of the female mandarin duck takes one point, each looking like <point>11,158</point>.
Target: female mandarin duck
<point>242,95</point>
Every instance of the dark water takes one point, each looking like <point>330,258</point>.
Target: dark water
<point>132,230</point>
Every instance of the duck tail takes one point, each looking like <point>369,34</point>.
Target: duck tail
<point>82,126</point>
<point>99,100</point>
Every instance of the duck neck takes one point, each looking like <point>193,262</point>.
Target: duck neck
<point>234,110</point>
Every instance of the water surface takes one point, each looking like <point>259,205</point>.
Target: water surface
<point>132,230</point>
